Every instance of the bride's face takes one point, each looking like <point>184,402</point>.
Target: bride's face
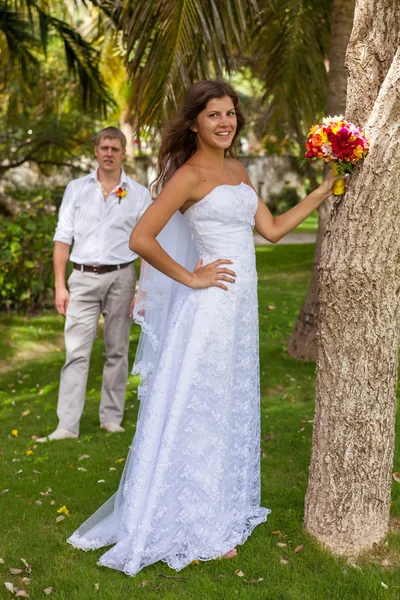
<point>216,124</point>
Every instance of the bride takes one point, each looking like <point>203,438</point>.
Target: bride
<point>191,485</point>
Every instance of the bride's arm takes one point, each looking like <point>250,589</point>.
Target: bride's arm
<point>275,228</point>
<point>143,238</point>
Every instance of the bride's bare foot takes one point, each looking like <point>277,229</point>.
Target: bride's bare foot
<point>231,553</point>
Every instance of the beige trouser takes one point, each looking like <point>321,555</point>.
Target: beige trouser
<point>109,294</point>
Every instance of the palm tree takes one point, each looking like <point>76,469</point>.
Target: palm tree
<point>25,26</point>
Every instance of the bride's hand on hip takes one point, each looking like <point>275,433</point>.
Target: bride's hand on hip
<point>212,275</point>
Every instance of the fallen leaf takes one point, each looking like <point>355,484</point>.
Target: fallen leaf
<point>48,591</point>
<point>96,586</point>
<point>9,586</point>
<point>271,307</point>
<point>384,585</point>
<point>60,518</point>
<point>82,456</point>
<point>1,561</point>
<point>284,561</point>
<point>41,392</point>
<point>22,594</point>
<point>52,502</point>
<point>4,491</point>
<point>38,502</point>
<point>101,481</point>
<point>26,413</point>
<point>112,469</point>
<point>81,469</point>
<point>26,580</point>
<point>119,460</point>
<point>63,510</point>
<point>385,563</point>
<point>143,583</point>
<point>15,571</point>
<point>396,476</point>
<point>239,573</point>
<point>195,562</point>
<point>28,568</point>
<point>14,432</point>
<point>36,472</point>
<point>253,580</point>
<point>298,548</point>
<point>29,452</point>
<point>276,532</point>
<point>281,545</point>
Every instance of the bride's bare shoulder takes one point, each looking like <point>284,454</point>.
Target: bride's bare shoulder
<point>237,168</point>
<point>188,174</point>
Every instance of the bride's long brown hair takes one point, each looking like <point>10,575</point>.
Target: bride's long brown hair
<point>179,142</point>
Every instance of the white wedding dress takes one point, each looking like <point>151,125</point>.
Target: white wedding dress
<point>191,486</point>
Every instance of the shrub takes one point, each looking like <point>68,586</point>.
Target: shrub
<point>26,248</point>
<point>287,198</point>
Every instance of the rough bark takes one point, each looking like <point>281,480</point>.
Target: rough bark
<point>348,496</point>
<point>302,343</point>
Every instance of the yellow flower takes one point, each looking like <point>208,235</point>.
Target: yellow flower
<point>14,432</point>
<point>123,193</point>
<point>358,152</point>
<point>29,452</point>
<point>64,510</point>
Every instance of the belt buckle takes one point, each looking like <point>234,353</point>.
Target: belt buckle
<point>95,270</point>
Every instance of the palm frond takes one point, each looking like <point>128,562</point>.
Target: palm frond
<point>172,43</point>
<point>290,48</point>
<point>18,39</point>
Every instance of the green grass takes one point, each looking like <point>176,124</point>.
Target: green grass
<point>33,349</point>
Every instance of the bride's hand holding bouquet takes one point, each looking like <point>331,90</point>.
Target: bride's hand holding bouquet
<point>340,142</point>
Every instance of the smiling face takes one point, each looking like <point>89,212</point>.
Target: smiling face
<point>110,154</point>
<point>216,125</point>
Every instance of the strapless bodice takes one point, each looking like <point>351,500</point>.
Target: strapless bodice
<point>222,222</point>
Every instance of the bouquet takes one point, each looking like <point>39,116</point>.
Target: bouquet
<point>340,142</point>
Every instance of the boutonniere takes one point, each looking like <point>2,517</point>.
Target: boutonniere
<point>120,192</point>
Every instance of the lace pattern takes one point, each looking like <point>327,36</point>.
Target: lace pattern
<point>191,486</point>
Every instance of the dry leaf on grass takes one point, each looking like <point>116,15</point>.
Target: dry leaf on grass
<point>119,460</point>
<point>396,476</point>
<point>63,510</point>
<point>38,502</point>
<point>81,469</point>
<point>9,586</point>
<point>47,591</point>
<point>4,492</point>
<point>15,571</point>
<point>60,518</point>
<point>276,532</point>
<point>96,586</point>
<point>26,580</point>
<point>253,580</point>
<point>26,413</point>
<point>239,573</point>
<point>298,548</point>
<point>112,469</point>
<point>21,594</point>
<point>1,561</point>
<point>281,545</point>
<point>384,585</point>
<point>28,568</point>
<point>271,307</point>
<point>101,481</point>
<point>82,456</point>
<point>284,561</point>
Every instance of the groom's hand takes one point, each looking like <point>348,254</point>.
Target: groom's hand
<point>62,300</point>
<point>132,306</point>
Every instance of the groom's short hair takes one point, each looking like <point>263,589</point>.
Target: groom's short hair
<point>112,133</point>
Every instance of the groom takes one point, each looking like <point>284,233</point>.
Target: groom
<point>97,214</point>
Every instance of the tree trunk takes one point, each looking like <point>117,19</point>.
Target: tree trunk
<point>302,343</point>
<point>348,496</point>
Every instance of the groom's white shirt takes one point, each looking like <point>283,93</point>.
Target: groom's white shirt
<point>100,229</point>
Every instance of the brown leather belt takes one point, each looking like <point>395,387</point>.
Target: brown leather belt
<point>100,269</point>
